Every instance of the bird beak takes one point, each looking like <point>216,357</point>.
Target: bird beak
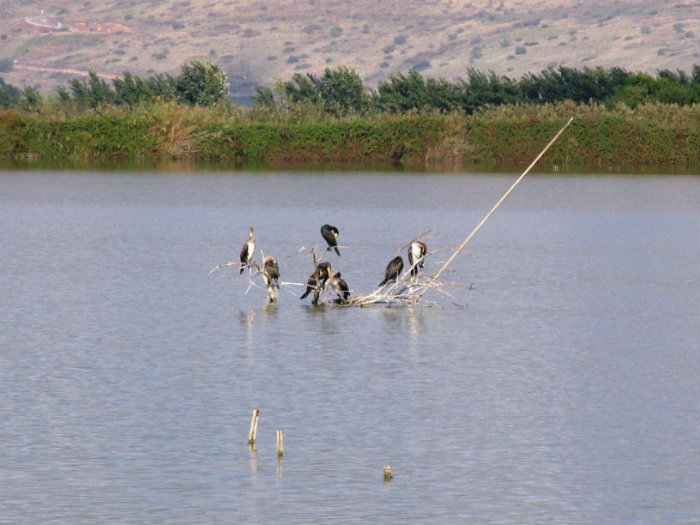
<point>335,235</point>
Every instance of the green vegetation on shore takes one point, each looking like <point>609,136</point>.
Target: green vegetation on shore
<point>284,126</point>
<point>652,134</point>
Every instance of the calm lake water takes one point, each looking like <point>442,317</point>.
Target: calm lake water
<point>562,388</point>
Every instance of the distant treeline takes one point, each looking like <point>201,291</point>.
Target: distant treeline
<point>341,92</point>
<point>199,83</point>
<point>619,118</point>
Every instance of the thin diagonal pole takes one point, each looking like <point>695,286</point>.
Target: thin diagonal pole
<point>500,201</point>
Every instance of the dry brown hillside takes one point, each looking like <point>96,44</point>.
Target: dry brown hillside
<point>45,44</point>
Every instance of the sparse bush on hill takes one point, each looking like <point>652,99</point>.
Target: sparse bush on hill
<point>6,65</point>
<point>421,65</point>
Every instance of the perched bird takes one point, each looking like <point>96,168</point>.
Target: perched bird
<point>317,280</point>
<point>271,272</point>
<point>340,287</point>
<point>271,275</point>
<point>393,270</point>
<point>248,250</point>
<point>330,234</point>
<point>416,255</point>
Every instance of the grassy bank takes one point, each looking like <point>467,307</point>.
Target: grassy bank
<point>651,135</point>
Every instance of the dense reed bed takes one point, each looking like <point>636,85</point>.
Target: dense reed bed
<point>652,134</point>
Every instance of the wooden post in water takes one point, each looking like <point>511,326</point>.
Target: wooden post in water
<point>280,445</point>
<point>253,427</point>
<point>253,458</point>
<point>388,475</point>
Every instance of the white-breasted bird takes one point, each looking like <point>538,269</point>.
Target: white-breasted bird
<point>416,256</point>
<point>340,287</point>
<point>248,250</point>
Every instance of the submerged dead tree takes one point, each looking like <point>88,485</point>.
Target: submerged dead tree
<point>410,290</point>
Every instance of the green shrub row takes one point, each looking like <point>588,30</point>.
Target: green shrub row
<point>650,134</point>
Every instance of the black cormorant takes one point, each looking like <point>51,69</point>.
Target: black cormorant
<point>340,287</point>
<point>330,234</point>
<point>317,280</point>
<point>247,250</point>
<point>416,256</point>
<point>393,270</point>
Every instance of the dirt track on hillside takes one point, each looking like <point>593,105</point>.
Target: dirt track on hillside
<point>76,72</point>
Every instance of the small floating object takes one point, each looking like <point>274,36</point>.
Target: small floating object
<point>388,475</point>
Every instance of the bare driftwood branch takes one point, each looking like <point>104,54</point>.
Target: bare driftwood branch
<point>223,265</point>
<point>406,290</point>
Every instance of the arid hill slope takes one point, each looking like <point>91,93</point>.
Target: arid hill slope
<point>258,41</point>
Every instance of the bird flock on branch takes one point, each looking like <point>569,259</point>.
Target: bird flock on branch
<point>323,278</point>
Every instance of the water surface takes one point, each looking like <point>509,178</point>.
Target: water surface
<point>562,387</point>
